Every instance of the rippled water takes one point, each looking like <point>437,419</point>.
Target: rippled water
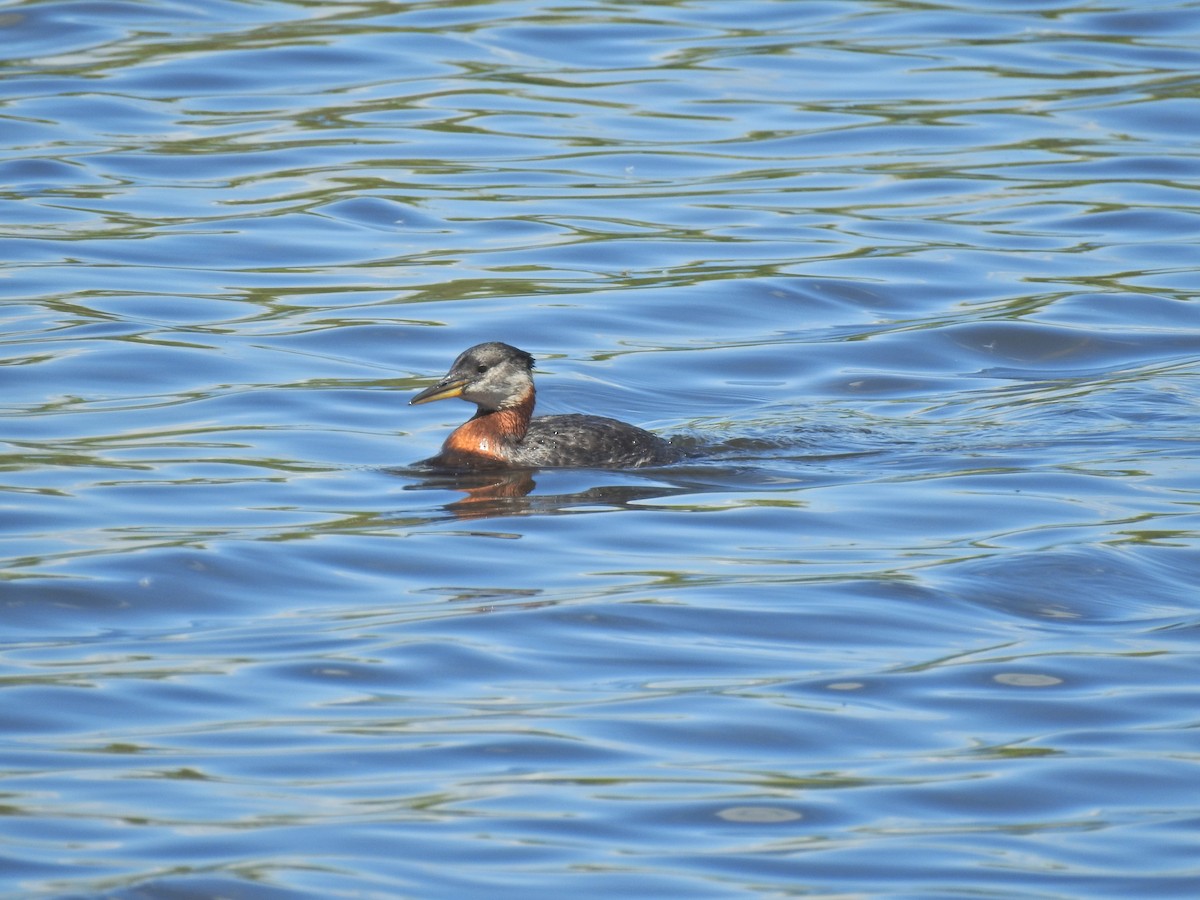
<point>914,284</point>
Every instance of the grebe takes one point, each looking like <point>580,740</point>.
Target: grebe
<point>498,379</point>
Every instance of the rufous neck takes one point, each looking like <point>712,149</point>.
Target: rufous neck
<point>510,422</point>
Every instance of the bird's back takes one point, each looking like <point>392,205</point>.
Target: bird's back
<point>581,440</point>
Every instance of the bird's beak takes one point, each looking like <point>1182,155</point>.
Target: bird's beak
<point>445,389</point>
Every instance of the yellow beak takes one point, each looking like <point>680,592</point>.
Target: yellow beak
<point>443,390</point>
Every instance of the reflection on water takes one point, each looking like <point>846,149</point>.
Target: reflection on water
<point>914,288</point>
<point>507,494</point>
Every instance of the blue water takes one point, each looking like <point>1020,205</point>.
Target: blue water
<point>915,287</point>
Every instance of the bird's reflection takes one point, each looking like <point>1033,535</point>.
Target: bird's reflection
<point>485,494</point>
<point>509,492</point>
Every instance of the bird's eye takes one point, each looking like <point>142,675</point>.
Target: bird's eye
<point>481,368</point>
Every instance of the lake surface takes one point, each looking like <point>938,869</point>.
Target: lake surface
<point>915,287</point>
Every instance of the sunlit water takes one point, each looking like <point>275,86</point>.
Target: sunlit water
<point>913,284</point>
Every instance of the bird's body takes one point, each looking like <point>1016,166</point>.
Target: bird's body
<point>498,379</point>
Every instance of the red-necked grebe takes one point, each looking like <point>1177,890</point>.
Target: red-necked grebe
<point>498,379</point>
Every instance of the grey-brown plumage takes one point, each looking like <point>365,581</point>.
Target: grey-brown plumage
<point>498,379</point>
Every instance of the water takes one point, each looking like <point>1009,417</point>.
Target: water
<point>913,284</point>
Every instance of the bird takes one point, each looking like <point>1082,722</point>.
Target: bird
<point>504,433</point>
